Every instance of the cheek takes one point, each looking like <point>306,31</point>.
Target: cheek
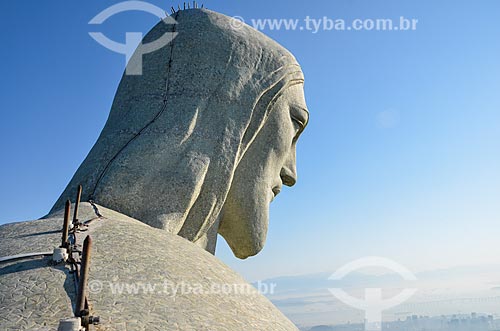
<point>283,140</point>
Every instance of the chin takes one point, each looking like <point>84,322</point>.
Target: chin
<point>245,251</point>
<point>245,237</point>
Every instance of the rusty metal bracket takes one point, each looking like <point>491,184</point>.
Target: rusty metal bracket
<point>65,230</point>
<point>82,307</point>
<point>77,204</point>
<point>79,261</point>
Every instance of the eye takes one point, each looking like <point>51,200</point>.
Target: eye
<point>298,125</point>
<point>299,117</point>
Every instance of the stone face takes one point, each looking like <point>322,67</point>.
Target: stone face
<point>141,278</point>
<point>268,164</point>
<point>176,134</point>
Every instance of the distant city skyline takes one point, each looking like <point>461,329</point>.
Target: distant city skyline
<point>308,302</point>
<point>456,322</point>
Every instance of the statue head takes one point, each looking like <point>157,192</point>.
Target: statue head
<point>267,165</point>
<point>204,139</point>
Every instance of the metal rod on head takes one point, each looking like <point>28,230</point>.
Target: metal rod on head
<point>67,211</point>
<point>172,9</point>
<point>84,277</point>
<point>77,203</point>
<point>184,6</point>
<point>194,4</point>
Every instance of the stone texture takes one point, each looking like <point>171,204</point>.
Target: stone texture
<point>176,134</point>
<point>35,295</point>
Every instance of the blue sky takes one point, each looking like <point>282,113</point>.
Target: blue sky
<point>400,158</point>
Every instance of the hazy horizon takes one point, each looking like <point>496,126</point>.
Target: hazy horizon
<point>400,158</point>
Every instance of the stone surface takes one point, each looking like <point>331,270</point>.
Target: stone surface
<point>176,134</point>
<point>142,262</point>
<point>199,144</point>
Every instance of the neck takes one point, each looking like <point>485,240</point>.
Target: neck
<point>209,240</point>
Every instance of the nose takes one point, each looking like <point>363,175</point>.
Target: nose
<point>288,177</point>
<point>288,172</point>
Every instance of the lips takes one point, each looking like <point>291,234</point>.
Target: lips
<point>276,190</point>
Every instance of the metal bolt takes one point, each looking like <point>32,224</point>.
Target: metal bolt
<point>84,276</point>
<point>94,320</point>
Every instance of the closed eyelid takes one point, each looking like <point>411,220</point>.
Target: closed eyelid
<point>299,127</point>
<point>299,114</point>
<point>300,123</point>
